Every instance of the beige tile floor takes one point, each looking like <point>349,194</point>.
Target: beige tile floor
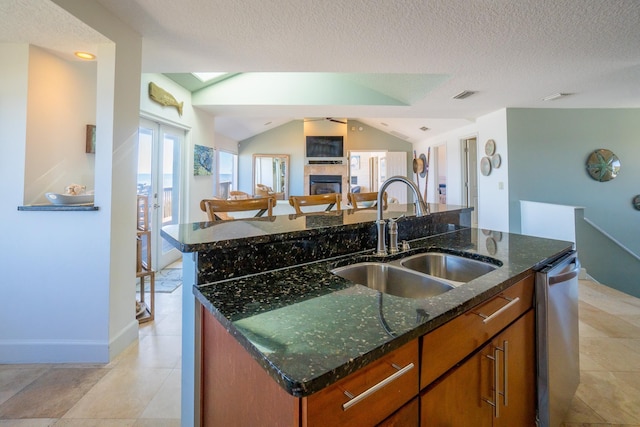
<point>141,387</point>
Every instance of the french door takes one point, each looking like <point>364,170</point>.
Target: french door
<point>159,179</point>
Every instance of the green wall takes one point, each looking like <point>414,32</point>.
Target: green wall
<point>548,150</point>
<point>289,139</point>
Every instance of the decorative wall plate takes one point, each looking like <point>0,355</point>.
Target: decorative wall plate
<point>492,246</point>
<point>423,173</point>
<point>485,166</point>
<point>603,165</point>
<point>496,161</point>
<point>490,147</point>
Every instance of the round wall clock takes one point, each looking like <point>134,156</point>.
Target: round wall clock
<point>490,147</point>
<point>603,165</point>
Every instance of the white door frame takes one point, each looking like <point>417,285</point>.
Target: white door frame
<point>469,158</point>
<point>162,253</point>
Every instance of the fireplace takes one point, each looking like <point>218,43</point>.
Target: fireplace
<point>323,184</point>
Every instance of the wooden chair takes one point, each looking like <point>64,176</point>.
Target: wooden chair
<point>238,195</point>
<point>354,198</point>
<point>330,199</point>
<point>217,209</point>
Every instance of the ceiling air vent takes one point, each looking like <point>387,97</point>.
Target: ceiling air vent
<point>464,94</point>
<point>399,135</point>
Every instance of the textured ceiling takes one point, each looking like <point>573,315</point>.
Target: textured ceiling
<point>43,23</point>
<point>511,52</point>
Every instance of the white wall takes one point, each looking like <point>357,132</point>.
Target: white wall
<point>67,292</point>
<point>493,190</point>
<point>493,207</point>
<point>451,142</point>
<point>199,129</point>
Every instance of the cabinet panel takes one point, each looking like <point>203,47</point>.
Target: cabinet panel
<point>325,408</point>
<point>456,399</point>
<point>407,416</point>
<point>455,340</point>
<point>520,407</point>
<point>501,373</point>
<point>236,390</point>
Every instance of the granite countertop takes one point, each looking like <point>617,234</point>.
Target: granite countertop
<point>193,237</point>
<point>308,327</point>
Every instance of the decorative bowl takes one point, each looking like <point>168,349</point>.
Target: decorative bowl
<point>68,199</point>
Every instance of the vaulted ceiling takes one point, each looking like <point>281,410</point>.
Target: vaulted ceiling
<point>397,62</point>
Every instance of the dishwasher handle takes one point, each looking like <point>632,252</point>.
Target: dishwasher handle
<point>565,276</point>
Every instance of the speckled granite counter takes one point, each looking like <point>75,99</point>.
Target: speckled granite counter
<point>226,249</point>
<point>308,328</point>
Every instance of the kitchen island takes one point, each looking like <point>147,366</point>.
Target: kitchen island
<point>302,329</point>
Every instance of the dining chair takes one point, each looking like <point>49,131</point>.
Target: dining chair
<point>238,195</point>
<point>330,199</point>
<point>355,198</point>
<point>217,209</point>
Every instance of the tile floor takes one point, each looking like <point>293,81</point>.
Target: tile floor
<point>141,387</point>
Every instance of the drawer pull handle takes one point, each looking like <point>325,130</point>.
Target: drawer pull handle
<point>376,387</point>
<point>487,319</point>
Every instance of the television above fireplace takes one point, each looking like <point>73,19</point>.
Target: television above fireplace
<point>324,149</point>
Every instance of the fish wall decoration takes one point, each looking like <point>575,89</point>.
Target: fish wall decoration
<point>163,97</point>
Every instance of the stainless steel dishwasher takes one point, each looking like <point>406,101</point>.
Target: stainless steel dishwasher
<point>557,338</point>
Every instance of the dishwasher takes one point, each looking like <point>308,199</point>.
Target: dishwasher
<point>557,337</point>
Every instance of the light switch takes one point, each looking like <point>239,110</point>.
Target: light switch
<point>501,185</point>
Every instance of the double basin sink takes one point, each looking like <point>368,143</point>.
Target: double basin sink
<point>418,276</point>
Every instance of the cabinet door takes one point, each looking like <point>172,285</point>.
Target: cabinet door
<point>501,373</point>
<point>457,398</point>
<point>518,363</point>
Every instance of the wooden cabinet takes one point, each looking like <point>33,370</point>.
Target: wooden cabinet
<point>481,358</point>
<point>494,387</point>
<point>487,356</point>
<point>368,396</point>
<point>236,390</point>
<point>452,342</point>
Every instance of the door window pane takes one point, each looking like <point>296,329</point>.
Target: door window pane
<point>227,173</point>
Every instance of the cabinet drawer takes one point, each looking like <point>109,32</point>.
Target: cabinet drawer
<point>378,390</point>
<point>453,341</point>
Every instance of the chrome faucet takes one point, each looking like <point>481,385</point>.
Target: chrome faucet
<point>421,209</point>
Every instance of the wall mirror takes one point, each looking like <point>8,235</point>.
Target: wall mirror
<point>271,175</point>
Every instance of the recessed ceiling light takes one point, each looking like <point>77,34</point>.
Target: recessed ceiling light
<point>464,94</point>
<point>85,55</point>
<point>555,96</point>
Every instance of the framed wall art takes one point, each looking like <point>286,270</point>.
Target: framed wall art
<point>90,143</point>
<point>202,160</point>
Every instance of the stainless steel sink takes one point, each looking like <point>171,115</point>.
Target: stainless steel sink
<point>447,266</point>
<point>392,279</point>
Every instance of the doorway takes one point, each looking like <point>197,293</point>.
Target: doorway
<point>159,179</point>
<point>470,177</point>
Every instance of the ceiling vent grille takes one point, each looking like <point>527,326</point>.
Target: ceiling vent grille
<point>464,94</point>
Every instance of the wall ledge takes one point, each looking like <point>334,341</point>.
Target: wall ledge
<point>58,208</point>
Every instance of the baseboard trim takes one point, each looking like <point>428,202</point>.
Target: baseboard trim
<point>67,351</point>
<point>121,341</point>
